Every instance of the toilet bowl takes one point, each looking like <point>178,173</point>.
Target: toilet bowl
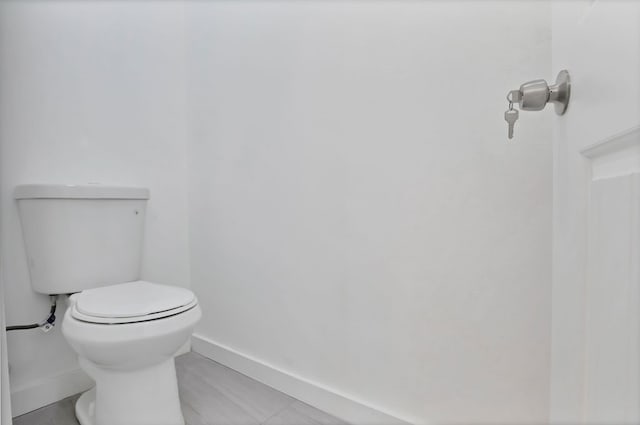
<point>126,337</point>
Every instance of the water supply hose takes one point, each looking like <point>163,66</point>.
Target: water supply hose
<point>45,325</point>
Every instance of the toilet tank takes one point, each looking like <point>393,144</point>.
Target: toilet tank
<point>81,237</point>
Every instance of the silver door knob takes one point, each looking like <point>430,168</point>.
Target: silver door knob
<point>534,95</point>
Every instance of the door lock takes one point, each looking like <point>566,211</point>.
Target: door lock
<point>535,95</point>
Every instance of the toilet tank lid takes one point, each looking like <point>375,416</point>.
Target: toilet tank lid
<point>72,191</point>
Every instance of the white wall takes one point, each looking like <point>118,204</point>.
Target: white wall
<point>5,391</point>
<point>357,216</point>
<point>90,91</point>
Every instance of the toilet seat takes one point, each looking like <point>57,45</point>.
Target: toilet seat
<point>131,302</point>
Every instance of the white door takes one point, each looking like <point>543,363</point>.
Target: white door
<point>596,253</point>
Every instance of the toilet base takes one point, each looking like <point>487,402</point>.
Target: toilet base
<point>147,396</point>
<point>85,407</point>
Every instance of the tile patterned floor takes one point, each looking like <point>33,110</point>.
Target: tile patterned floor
<point>211,394</point>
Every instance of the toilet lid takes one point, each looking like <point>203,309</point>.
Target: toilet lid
<point>131,302</point>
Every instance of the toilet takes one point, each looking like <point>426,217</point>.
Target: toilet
<point>86,241</point>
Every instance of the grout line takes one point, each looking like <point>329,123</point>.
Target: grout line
<point>222,394</point>
<point>288,405</point>
<point>291,403</point>
<point>49,405</point>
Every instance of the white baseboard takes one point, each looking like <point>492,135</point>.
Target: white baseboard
<point>327,399</point>
<point>48,390</point>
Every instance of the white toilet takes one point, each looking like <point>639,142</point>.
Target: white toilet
<point>87,241</point>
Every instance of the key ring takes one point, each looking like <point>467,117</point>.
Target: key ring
<point>510,100</point>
